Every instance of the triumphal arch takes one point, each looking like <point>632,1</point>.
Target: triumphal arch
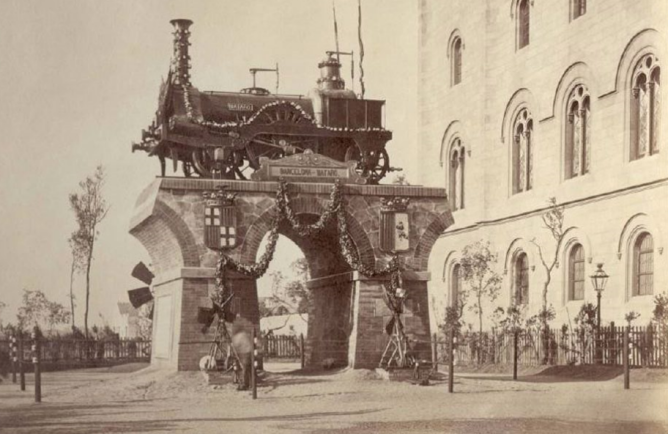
<point>256,164</point>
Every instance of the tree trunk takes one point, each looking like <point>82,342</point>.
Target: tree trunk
<point>71,292</point>
<point>88,264</point>
<point>544,326</point>
<point>479,328</point>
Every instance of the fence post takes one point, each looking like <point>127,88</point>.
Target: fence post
<point>451,362</point>
<point>22,374</point>
<point>515,353</point>
<point>253,361</point>
<point>12,351</point>
<point>35,360</point>
<point>627,356</point>
<point>302,358</point>
<point>434,353</point>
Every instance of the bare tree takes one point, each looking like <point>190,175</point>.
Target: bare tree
<point>553,220</point>
<point>89,209</point>
<point>478,273</point>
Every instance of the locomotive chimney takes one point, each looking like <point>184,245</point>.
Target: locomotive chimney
<point>330,74</point>
<point>181,59</point>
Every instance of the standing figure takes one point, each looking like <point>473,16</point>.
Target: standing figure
<point>241,340</point>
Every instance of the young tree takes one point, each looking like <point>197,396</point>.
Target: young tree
<point>478,273</point>
<point>89,209</point>
<point>78,257</point>
<point>38,309</point>
<point>553,220</point>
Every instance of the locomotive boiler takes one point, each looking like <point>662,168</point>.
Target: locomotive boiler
<point>224,134</point>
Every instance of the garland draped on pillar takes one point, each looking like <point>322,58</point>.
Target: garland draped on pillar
<point>349,252</point>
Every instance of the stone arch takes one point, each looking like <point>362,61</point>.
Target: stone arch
<point>520,99</point>
<point>643,42</point>
<point>637,225</point>
<point>428,238</point>
<point>168,240</point>
<point>454,129</point>
<point>577,73</point>
<point>259,228</point>
<point>451,260</point>
<point>454,35</point>
<point>572,236</point>
<point>640,222</point>
<point>517,246</point>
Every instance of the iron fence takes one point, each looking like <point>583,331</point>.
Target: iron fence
<point>648,347</point>
<point>57,354</point>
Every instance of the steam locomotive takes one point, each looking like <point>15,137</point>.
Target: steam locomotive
<point>224,134</point>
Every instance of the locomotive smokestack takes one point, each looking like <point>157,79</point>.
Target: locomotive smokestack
<point>330,75</point>
<point>181,60</point>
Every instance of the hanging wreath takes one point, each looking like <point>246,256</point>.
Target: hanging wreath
<point>285,209</point>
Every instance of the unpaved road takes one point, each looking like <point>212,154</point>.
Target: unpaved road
<point>151,401</point>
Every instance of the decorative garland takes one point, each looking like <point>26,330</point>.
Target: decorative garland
<point>285,209</point>
<point>227,125</point>
<point>348,251</point>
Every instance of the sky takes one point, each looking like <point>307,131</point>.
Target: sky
<point>80,79</point>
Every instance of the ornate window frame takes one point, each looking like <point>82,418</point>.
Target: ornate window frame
<point>456,174</point>
<point>645,94</point>
<point>577,132</point>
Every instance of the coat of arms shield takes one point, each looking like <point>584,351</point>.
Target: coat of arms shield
<point>220,220</point>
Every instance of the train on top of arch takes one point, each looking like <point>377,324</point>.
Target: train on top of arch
<point>223,134</point>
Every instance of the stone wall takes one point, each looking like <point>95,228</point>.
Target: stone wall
<point>617,196</point>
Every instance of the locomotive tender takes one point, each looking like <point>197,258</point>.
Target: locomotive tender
<point>224,134</point>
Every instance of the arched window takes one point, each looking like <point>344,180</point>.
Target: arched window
<point>456,175</point>
<point>521,279</point>
<point>456,61</point>
<point>523,15</point>
<point>522,152</point>
<point>645,107</point>
<point>579,8</point>
<point>455,284</point>
<point>643,265</point>
<point>576,275</point>
<point>578,132</point>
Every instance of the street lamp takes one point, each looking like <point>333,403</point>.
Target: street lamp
<point>598,279</point>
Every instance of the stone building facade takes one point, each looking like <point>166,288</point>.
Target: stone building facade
<point>523,100</point>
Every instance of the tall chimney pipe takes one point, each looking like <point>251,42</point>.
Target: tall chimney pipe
<point>181,60</point>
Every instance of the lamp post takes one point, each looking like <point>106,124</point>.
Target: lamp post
<point>598,280</point>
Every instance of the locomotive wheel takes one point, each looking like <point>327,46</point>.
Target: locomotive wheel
<point>372,165</point>
<point>207,167</point>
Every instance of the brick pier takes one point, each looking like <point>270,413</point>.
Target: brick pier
<point>348,317</point>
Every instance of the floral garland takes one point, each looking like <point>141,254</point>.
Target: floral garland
<point>348,250</point>
<point>285,209</point>
<point>255,270</point>
<point>227,125</point>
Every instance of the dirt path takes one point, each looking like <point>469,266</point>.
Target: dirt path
<point>149,400</point>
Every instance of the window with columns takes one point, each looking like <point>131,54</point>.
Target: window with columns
<point>523,23</point>
<point>457,159</point>
<point>578,132</point>
<point>645,107</point>
<point>522,158</point>
<point>521,279</point>
<point>643,265</point>
<point>576,273</point>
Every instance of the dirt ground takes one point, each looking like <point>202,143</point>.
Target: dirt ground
<point>135,398</point>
